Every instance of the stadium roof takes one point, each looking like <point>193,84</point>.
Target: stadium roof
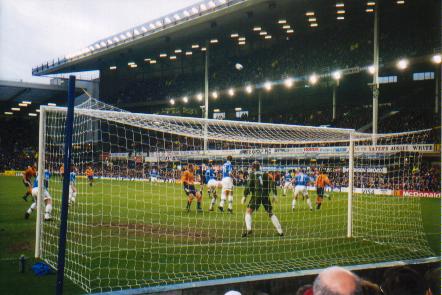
<point>208,20</point>
<point>13,93</point>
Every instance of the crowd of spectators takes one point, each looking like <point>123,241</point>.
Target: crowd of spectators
<point>402,280</point>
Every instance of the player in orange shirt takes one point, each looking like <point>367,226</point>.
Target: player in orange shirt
<point>188,180</point>
<point>90,175</point>
<point>61,171</point>
<point>320,183</point>
<point>27,175</point>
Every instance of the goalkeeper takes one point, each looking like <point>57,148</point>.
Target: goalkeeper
<point>259,186</point>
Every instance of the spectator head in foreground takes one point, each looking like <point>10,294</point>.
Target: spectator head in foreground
<point>337,281</point>
<point>403,281</point>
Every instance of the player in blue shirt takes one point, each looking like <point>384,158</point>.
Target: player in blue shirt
<point>301,182</point>
<point>212,185</point>
<point>287,183</point>
<point>46,197</point>
<point>227,185</point>
<point>72,185</point>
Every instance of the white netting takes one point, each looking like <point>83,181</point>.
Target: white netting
<point>130,227</point>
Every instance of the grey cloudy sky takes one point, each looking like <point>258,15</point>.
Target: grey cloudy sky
<point>35,31</point>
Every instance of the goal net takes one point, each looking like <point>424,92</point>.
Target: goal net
<point>131,227</point>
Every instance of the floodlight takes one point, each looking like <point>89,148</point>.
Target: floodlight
<point>263,33</point>
<point>153,61</point>
<point>231,92</point>
<point>37,110</point>
<point>188,53</point>
<point>234,35</point>
<point>32,115</point>
<point>242,39</point>
<point>337,75</point>
<point>313,25</point>
<point>290,31</point>
<point>52,104</point>
<point>257,29</point>
<point>215,94</point>
<point>249,89</point>
<point>286,27</point>
<point>341,11</point>
<point>282,21</point>
<point>26,101</point>
<point>268,37</point>
<point>203,48</point>
<point>194,46</point>
<point>216,110</point>
<point>312,19</point>
<point>213,41</point>
<point>172,101</point>
<point>162,55</point>
<point>400,2</point>
<point>238,109</point>
<point>268,86</point>
<point>371,3</point>
<point>8,113</point>
<point>339,5</point>
<point>402,64</point>
<point>178,51</point>
<point>437,59</point>
<point>199,97</point>
<point>313,79</point>
<point>369,10</point>
<point>133,65</point>
<point>185,99</point>
<point>130,63</point>
<point>172,57</point>
<point>340,17</point>
<point>371,69</point>
<point>242,43</point>
<point>15,109</point>
<point>22,104</point>
<point>288,82</point>
<point>310,13</point>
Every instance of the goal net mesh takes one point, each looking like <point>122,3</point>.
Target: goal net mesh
<point>129,228</point>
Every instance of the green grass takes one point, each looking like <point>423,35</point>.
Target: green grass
<point>137,234</point>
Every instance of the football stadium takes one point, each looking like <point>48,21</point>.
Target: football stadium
<point>229,147</point>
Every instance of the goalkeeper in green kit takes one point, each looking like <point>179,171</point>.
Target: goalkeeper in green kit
<point>259,185</point>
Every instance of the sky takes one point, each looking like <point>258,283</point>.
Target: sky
<point>33,32</point>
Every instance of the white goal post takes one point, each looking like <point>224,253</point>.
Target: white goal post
<point>128,226</point>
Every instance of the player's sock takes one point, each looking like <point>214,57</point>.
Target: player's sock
<point>32,208</point>
<point>293,203</point>
<point>188,205</point>
<point>198,205</point>
<point>309,203</point>
<point>248,219</point>
<point>318,206</point>
<point>230,202</point>
<point>223,199</point>
<point>48,211</point>
<point>212,203</point>
<point>284,191</point>
<point>276,223</point>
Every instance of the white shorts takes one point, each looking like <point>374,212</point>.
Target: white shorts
<point>301,189</point>
<point>46,195</point>
<point>227,184</point>
<point>153,179</point>
<point>288,185</point>
<point>213,184</point>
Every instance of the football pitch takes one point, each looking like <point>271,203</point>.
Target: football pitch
<point>138,234</point>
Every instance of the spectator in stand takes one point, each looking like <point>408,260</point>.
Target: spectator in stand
<point>337,281</point>
<point>404,281</point>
